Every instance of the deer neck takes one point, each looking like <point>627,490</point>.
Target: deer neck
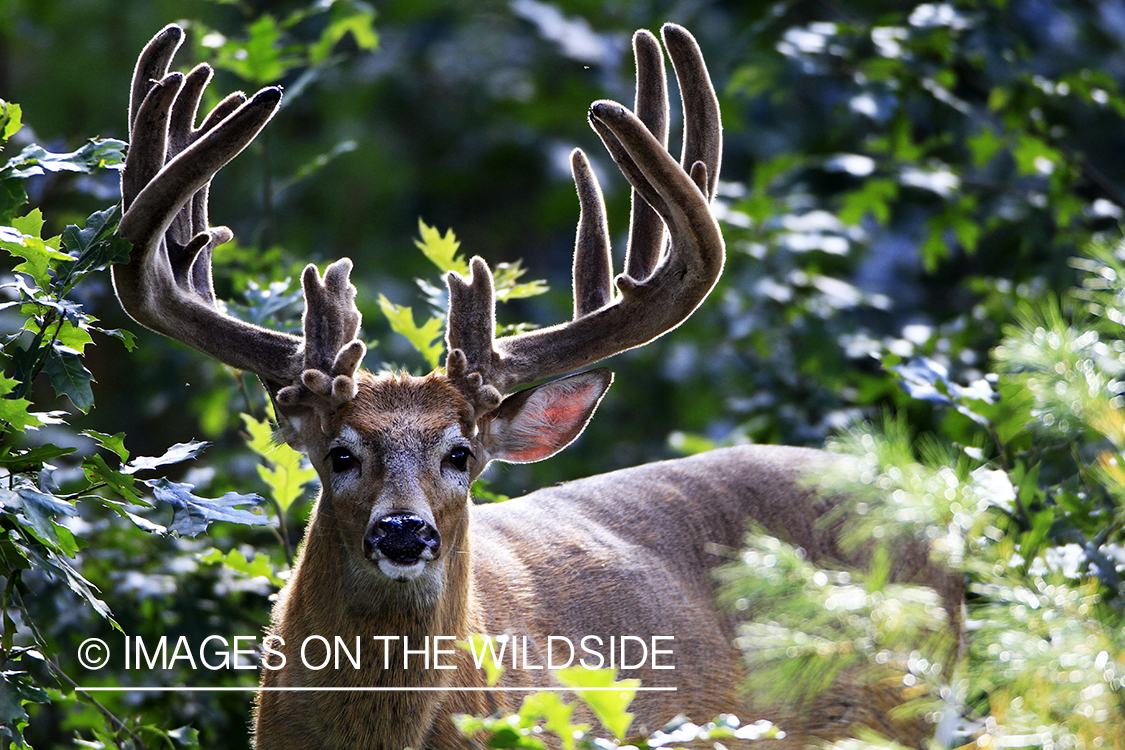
<point>371,606</point>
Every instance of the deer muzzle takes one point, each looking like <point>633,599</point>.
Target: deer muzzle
<point>401,544</point>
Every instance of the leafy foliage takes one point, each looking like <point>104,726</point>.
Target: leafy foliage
<point>1032,516</point>
<point>921,204</point>
<point>544,714</point>
<point>441,250</point>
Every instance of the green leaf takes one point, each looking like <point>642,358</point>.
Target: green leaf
<point>115,443</point>
<point>556,715</point>
<point>608,705</point>
<point>192,514</point>
<point>66,332</point>
<point>40,509</point>
<point>482,494</point>
<point>1034,156</point>
<point>258,565</point>
<point>935,248</point>
<point>31,460</point>
<point>357,19</point>
<point>12,198</point>
<point>442,251</point>
<point>52,563</point>
<point>506,284</point>
<point>22,240</point>
<point>128,338</point>
<point>94,247</point>
<point>11,702</point>
<point>98,472</point>
<point>11,120</point>
<point>261,59</point>
<point>284,471</point>
<point>185,736</point>
<point>874,197</point>
<point>69,377</point>
<point>689,444</point>
<point>14,414</point>
<point>984,146</point>
<point>426,338</point>
<point>35,160</point>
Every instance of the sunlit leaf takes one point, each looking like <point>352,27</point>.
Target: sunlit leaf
<point>262,58</point>
<point>40,509</point>
<point>35,160</point>
<point>608,705</point>
<point>115,443</point>
<point>257,565</point>
<point>441,250</point>
<point>18,462</point>
<point>426,338</point>
<point>94,246</point>
<point>15,413</point>
<point>22,240</point>
<point>193,514</point>
<point>356,19</point>
<point>11,117</point>
<point>556,715</point>
<point>174,455</point>
<point>285,472</point>
<point>507,286</point>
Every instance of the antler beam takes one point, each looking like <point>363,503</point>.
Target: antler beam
<point>167,285</point>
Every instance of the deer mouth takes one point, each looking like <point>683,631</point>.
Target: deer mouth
<point>401,544</point>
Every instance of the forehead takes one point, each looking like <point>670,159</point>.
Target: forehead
<point>403,406</point>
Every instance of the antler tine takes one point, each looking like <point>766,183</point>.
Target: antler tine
<point>703,132</point>
<point>668,287</point>
<point>152,66</point>
<point>646,230</point>
<point>593,265</point>
<point>332,353</point>
<point>167,283</point>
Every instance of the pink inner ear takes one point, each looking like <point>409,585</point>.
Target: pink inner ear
<point>562,413</point>
<point>548,421</point>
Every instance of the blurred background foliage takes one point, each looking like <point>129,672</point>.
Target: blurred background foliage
<point>921,203</point>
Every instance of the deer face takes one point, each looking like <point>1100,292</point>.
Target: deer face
<point>399,459</point>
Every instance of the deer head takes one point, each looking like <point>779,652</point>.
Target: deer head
<point>396,454</point>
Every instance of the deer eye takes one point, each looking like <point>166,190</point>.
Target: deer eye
<point>459,457</point>
<point>341,459</point>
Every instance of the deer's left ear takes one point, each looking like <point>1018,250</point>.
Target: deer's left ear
<point>537,423</point>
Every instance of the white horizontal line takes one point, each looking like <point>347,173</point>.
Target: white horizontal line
<point>364,689</point>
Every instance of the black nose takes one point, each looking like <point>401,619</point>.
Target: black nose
<point>402,538</point>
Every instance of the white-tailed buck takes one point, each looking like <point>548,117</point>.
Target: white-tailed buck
<point>396,554</point>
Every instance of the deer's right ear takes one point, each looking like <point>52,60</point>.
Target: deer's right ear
<point>536,423</point>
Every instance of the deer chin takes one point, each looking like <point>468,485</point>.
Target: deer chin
<point>419,568</point>
<point>402,572</point>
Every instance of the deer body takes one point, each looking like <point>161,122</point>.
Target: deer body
<point>625,553</point>
<point>396,556</point>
